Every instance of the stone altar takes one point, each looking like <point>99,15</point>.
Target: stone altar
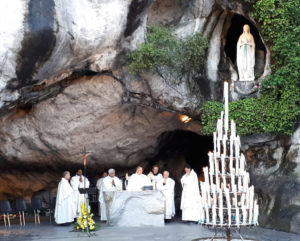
<point>135,209</point>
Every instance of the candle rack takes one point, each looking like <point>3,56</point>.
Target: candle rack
<point>227,200</point>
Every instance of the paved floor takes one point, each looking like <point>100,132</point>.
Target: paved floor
<point>175,231</point>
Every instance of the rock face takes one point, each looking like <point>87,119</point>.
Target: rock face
<point>135,209</point>
<point>65,84</point>
<point>274,164</point>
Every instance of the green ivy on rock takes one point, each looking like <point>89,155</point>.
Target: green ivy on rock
<point>163,50</point>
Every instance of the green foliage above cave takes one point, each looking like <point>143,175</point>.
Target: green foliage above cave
<point>277,108</point>
<point>164,51</point>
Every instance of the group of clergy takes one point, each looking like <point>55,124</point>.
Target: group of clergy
<point>69,199</point>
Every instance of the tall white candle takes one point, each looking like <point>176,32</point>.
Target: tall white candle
<point>232,129</point>
<point>235,195</point>
<point>215,143</point>
<point>213,188</point>
<point>211,163</point>
<point>244,214</point>
<point>247,198</point>
<point>214,215</point>
<point>223,163</point>
<point>237,165</point>
<point>218,148</point>
<point>245,181</point>
<point>232,178</point>
<point>226,106</point>
<point>202,215</point>
<point>237,218</point>
<point>216,165</point>
<point>242,163</point>
<point>230,155</point>
<point>207,219</point>
<point>240,184</point>
<point>238,145</point>
<point>251,198</point>
<point>205,170</point>
<point>221,208</point>
<point>218,182</point>
<point>255,213</point>
<point>222,117</point>
<point>224,145</point>
<point>226,190</point>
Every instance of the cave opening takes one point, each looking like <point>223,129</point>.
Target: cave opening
<point>232,37</point>
<point>177,148</point>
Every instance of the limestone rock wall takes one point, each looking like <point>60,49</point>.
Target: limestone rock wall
<point>274,165</point>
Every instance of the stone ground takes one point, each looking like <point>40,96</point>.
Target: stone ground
<point>174,231</point>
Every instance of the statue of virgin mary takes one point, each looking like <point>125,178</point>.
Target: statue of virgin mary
<point>246,55</point>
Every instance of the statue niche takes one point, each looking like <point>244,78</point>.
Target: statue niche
<point>246,55</point>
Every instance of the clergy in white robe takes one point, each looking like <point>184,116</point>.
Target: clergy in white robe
<point>65,202</point>
<point>102,208</point>
<point>138,180</point>
<point>111,182</point>
<point>190,197</point>
<point>154,176</point>
<point>166,185</point>
<point>79,181</point>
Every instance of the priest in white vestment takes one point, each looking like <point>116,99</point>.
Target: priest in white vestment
<point>190,198</point>
<point>102,208</point>
<point>155,176</point>
<point>79,181</point>
<point>166,185</point>
<point>111,182</point>
<point>65,203</point>
<point>138,180</point>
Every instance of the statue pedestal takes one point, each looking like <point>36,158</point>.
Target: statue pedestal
<point>135,209</point>
<point>243,89</point>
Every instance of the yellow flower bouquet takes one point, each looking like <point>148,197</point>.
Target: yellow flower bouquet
<point>85,219</point>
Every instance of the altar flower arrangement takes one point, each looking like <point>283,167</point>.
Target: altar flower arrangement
<point>85,219</point>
